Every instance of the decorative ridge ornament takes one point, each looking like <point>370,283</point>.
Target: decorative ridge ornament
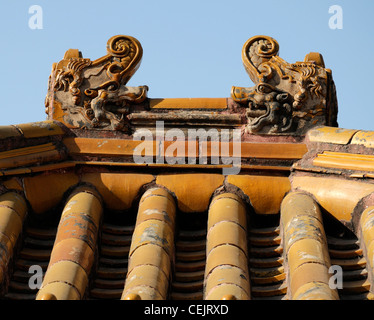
<point>287,98</point>
<point>93,94</point>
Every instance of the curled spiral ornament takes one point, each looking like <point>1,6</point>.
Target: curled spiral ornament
<point>256,51</point>
<point>119,46</point>
<point>128,53</point>
<point>266,47</point>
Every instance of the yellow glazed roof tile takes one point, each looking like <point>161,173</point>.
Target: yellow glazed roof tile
<point>9,131</point>
<point>331,135</point>
<point>365,138</point>
<point>188,103</point>
<point>338,196</point>
<point>158,238</point>
<point>348,161</point>
<point>40,129</point>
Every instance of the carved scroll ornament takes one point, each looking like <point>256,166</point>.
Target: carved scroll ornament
<point>93,94</point>
<point>287,98</point>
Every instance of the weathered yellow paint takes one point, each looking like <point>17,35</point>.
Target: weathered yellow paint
<point>10,224</point>
<point>56,112</point>
<point>305,248</point>
<point>153,231</point>
<point>367,232</point>
<point>315,291</point>
<point>31,157</point>
<point>147,275</point>
<point>67,272</point>
<point>73,249</point>
<point>367,225</point>
<point>73,252</point>
<point>150,254</point>
<point>22,152</point>
<point>193,191</point>
<point>154,209</point>
<point>365,138</point>
<point>227,274</point>
<point>227,252</point>
<point>223,210</point>
<point>40,129</point>
<point>84,200</point>
<point>14,201</point>
<point>370,255</point>
<point>35,168</point>
<point>107,147</point>
<point>13,210</point>
<point>152,247</point>
<point>337,196</point>
<point>331,135</point>
<point>265,192</point>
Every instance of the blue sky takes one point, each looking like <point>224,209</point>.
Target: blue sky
<point>191,48</point>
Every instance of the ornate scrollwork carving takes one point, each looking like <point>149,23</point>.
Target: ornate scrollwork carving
<point>93,94</point>
<point>287,98</point>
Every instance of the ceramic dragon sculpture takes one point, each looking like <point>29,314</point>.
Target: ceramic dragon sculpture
<point>287,98</point>
<point>93,94</point>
